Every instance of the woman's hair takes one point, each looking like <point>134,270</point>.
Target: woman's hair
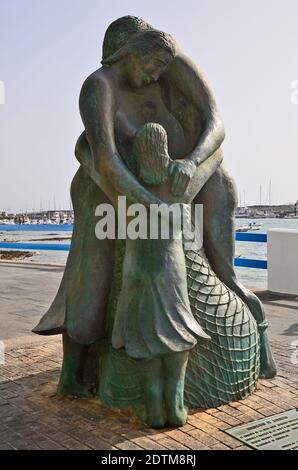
<point>146,40</point>
<point>150,152</point>
<point>119,32</point>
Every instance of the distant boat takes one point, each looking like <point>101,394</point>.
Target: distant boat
<point>254,226</point>
<point>56,218</point>
<point>46,221</point>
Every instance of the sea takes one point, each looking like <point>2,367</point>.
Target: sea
<point>61,234</point>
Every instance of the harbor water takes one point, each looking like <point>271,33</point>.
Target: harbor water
<point>62,234</point>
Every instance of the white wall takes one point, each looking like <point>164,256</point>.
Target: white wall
<point>282,254</point>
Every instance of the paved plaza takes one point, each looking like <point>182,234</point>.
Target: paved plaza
<point>32,416</point>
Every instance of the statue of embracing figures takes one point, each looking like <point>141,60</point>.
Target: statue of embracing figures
<point>154,323</point>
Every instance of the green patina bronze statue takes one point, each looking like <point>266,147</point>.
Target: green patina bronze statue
<point>152,323</point>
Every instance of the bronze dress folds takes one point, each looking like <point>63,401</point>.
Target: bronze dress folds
<point>153,315</point>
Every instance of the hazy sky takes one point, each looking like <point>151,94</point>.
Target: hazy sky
<point>249,51</point>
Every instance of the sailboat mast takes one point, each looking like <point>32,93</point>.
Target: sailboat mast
<point>270,193</point>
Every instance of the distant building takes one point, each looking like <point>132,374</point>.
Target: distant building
<point>254,211</point>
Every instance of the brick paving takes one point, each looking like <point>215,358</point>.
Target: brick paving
<point>32,416</point>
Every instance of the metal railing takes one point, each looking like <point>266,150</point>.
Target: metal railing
<point>239,236</point>
<point>247,262</point>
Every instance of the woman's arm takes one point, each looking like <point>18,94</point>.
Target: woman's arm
<point>193,85</point>
<point>97,107</point>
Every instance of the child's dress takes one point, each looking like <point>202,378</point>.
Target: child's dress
<point>153,315</point>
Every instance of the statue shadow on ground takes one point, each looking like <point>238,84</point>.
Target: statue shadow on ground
<point>45,415</point>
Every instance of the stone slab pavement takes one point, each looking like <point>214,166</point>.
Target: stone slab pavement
<point>26,291</point>
<point>32,416</point>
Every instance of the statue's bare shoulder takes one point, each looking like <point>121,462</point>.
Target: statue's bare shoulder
<point>97,108</point>
<point>192,82</point>
<point>98,93</point>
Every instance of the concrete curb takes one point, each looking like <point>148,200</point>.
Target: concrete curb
<point>21,264</point>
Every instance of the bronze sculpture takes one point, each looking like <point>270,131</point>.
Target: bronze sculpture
<point>146,78</point>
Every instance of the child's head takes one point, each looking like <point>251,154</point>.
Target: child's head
<point>150,151</point>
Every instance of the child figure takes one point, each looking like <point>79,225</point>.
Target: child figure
<point>153,319</point>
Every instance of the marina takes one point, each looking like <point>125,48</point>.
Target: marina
<point>44,218</point>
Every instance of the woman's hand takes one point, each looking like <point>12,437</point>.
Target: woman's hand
<point>181,172</point>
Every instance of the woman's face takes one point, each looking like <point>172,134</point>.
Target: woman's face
<point>145,69</point>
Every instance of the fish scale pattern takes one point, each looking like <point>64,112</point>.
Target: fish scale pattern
<point>225,368</point>
<point>220,370</point>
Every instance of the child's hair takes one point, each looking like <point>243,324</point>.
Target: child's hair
<point>150,151</point>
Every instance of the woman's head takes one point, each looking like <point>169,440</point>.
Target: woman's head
<point>119,32</point>
<point>143,56</point>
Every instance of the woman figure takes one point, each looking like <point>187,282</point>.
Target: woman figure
<point>144,78</point>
